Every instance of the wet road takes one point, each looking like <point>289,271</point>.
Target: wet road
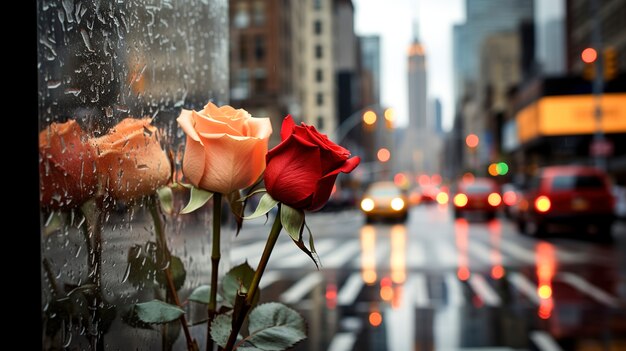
<point>429,284</point>
<point>439,284</point>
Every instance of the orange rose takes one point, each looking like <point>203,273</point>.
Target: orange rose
<point>130,160</point>
<point>66,167</point>
<point>225,148</point>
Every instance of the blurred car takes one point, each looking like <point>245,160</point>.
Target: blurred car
<point>385,200</point>
<point>567,196</point>
<point>478,195</point>
<point>424,194</point>
<point>511,195</point>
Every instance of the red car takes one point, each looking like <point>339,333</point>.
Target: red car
<point>477,195</point>
<point>567,196</point>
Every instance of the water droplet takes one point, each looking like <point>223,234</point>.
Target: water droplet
<point>85,36</point>
<point>127,272</point>
<point>73,91</point>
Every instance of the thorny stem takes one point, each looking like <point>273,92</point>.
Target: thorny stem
<point>171,288</point>
<point>215,261</point>
<point>254,286</point>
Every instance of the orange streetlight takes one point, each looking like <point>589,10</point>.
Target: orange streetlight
<point>472,140</point>
<point>383,155</point>
<point>369,117</point>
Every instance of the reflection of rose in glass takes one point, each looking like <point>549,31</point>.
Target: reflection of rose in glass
<point>225,148</point>
<point>130,160</point>
<point>66,167</point>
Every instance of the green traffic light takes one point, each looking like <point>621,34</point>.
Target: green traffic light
<point>502,168</point>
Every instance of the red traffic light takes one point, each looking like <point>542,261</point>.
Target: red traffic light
<point>589,55</point>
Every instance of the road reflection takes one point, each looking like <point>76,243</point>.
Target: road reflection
<point>461,233</point>
<point>495,236</point>
<point>546,264</point>
<point>368,254</point>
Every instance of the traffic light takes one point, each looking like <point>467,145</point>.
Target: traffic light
<point>610,63</point>
<point>589,56</point>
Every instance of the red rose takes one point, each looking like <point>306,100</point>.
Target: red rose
<point>302,169</point>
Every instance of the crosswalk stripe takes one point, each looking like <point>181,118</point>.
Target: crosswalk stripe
<point>300,259</point>
<point>544,341</point>
<point>525,286</point>
<point>342,342</point>
<point>416,257</point>
<point>446,254</point>
<point>420,288</point>
<point>350,290</point>
<point>455,290</point>
<point>484,290</point>
<point>269,278</point>
<point>519,253</point>
<point>596,293</point>
<point>297,291</point>
<point>481,253</point>
<point>340,256</point>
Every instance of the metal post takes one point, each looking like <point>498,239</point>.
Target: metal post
<point>598,84</point>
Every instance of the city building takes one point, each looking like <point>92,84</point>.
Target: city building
<point>419,149</point>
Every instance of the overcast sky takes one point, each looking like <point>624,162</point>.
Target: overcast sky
<point>392,20</point>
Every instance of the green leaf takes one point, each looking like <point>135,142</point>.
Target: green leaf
<point>237,279</point>
<point>53,223</point>
<point>141,268</point>
<point>157,312</point>
<point>166,199</point>
<point>292,220</point>
<point>197,199</point>
<point>265,205</point>
<point>220,329</point>
<point>201,294</point>
<point>252,193</point>
<point>178,273</point>
<point>275,327</point>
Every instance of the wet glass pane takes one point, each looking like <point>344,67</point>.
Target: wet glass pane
<point>113,77</point>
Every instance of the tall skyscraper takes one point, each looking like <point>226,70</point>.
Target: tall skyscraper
<point>419,149</point>
<point>370,69</point>
<point>484,17</point>
<point>550,36</point>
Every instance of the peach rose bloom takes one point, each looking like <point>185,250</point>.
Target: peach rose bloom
<point>225,148</point>
<point>130,160</point>
<point>67,165</point>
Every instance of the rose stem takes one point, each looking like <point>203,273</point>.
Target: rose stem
<point>254,286</point>
<point>215,261</point>
<point>96,261</point>
<point>162,243</point>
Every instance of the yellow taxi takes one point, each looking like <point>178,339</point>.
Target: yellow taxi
<point>385,200</point>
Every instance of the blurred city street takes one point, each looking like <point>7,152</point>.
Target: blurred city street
<point>436,283</point>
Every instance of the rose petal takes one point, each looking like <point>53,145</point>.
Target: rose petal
<point>287,127</point>
<point>260,127</point>
<point>232,162</point>
<point>325,184</point>
<point>293,168</point>
<point>193,161</point>
<point>323,190</point>
<point>208,124</point>
<point>186,122</point>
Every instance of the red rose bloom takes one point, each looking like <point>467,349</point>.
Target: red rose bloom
<point>302,169</point>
